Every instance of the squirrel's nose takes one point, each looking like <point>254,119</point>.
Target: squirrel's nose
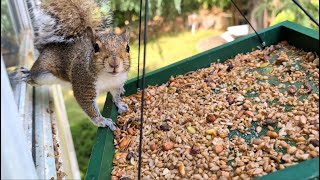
<point>113,65</point>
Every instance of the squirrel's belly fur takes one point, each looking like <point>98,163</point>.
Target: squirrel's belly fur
<point>106,82</point>
<point>49,79</point>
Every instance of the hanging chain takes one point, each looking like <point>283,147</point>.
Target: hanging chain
<point>139,43</point>
<point>143,82</point>
<point>306,12</point>
<point>261,41</point>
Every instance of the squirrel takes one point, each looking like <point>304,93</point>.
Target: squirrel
<point>76,49</point>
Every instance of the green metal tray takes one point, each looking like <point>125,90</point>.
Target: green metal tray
<point>100,165</point>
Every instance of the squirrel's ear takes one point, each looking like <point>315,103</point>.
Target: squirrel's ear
<point>97,46</point>
<point>91,34</point>
<point>126,34</point>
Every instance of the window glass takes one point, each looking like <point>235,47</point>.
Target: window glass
<point>9,40</point>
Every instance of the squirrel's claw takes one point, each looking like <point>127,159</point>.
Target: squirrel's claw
<point>20,74</point>
<point>122,107</point>
<point>24,73</point>
<point>107,122</point>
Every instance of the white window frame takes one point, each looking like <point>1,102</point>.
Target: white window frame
<point>27,115</point>
<point>16,162</point>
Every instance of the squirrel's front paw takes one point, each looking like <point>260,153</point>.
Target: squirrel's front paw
<point>107,122</point>
<point>122,107</point>
<point>21,73</point>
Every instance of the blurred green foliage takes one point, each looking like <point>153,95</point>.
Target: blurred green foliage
<point>278,11</point>
<point>8,35</point>
<point>286,14</point>
<point>168,9</point>
<point>84,133</point>
<point>289,11</point>
<point>6,24</point>
<point>219,3</point>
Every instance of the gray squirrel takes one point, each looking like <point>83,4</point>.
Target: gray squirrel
<point>76,49</point>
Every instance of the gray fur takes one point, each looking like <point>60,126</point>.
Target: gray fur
<point>73,60</point>
<point>49,29</point>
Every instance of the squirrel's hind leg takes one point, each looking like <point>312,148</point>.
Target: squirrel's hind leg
<point>24,74</point>
<point>34,77</point>
<point>21,73</point>
<point>45,77</point>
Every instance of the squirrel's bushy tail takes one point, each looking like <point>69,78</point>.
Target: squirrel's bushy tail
<point>62,20</point>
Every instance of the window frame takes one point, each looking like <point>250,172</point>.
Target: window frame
<point>37,110</point>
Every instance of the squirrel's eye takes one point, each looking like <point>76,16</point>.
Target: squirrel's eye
<point>96,48</point>
<point>128,49</point>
